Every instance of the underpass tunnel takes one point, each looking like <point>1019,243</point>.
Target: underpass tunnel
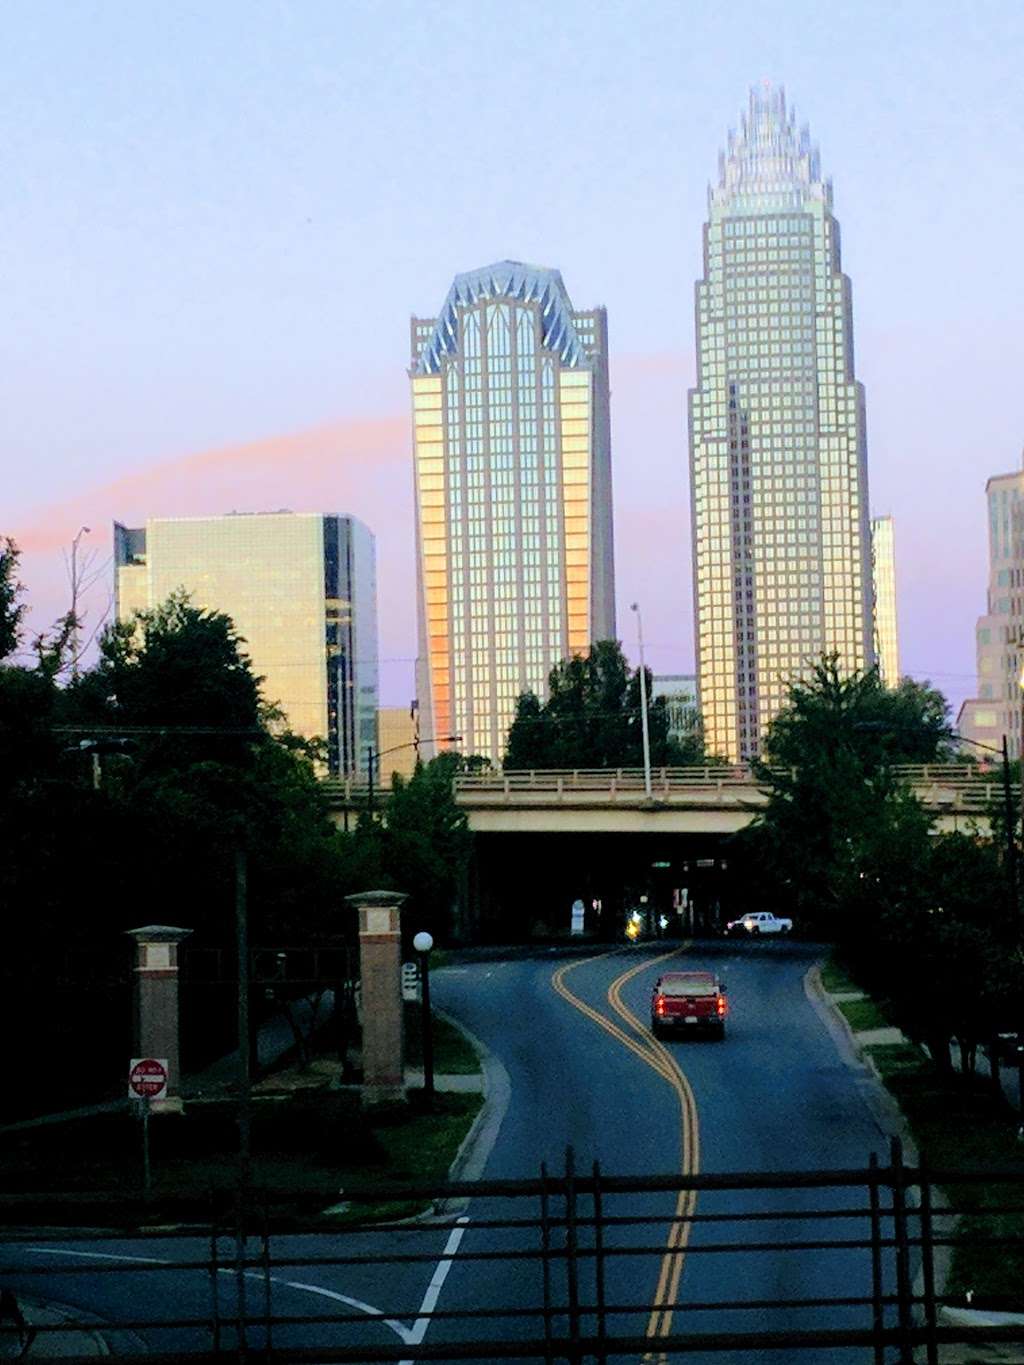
<point>523,886</point>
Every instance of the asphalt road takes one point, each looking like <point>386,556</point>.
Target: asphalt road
<point>773,1096</point>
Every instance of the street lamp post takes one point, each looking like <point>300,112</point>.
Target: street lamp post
<point>374,756</point>
<point>643,702</point>
<point>423,942</point>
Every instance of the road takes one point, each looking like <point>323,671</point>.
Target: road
<point>775,1095</point>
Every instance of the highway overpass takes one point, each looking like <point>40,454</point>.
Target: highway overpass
<point>694,800</point>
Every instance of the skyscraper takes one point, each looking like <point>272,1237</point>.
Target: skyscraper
<point>883,580</point>
<point>301,590</point>
<point>778,463</point>
<point>513,497</point>
<point>999,636</point>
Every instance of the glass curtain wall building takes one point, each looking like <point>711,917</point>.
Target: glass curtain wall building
<point>999,636</point>
<point>883,571</point>
<point>513,497</point>
<point>778,461</point>
<point>301,590</point>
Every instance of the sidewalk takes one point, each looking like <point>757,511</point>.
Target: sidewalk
<point>49,1333</point>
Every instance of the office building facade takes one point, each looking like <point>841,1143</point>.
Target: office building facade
<point>883,581</point>
<point>781,537</point>
<point>679,691</point>
<point>513,497</point>
<point>999,635</point>
<point>301,590</point>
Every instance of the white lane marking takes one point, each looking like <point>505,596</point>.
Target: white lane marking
<point>95,1255</point>
<point>409,1336</point>
<point>404,1333</point>
<point>430,1298</point>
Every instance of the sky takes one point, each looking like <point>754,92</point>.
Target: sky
<point>218,219</point>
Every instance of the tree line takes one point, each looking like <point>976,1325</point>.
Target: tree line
<point>126,789</point>
<point>929,922</point>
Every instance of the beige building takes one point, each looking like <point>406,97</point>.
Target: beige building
<point>883,576</point>
<point>301,590</point>
<point>778,457</point>
<point>397,736</point>
<point>999,635</point>
<point>513,497</point>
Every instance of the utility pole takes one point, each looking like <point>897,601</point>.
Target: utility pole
<point>643,703</point>
<point>370,760</point>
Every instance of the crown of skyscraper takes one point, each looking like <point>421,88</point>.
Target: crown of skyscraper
<point>508,280</point>
<point>770,163</point>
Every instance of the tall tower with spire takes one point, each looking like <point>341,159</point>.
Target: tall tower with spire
<point>778,458</point>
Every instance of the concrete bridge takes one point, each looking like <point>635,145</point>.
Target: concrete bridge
<point>710,800</point>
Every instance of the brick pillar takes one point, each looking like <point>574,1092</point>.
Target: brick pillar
<point>380,972</point>
<point>156,1003</point>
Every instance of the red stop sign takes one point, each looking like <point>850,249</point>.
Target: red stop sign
<point>147,1077</point>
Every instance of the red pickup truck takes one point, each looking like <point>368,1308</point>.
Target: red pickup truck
<point>689,1002</point>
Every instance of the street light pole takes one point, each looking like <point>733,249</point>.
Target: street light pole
<point>423,942</point>
<point>643,702</point>
<point>374,756</point>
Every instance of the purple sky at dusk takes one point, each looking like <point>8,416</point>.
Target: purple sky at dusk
<point>218,219</point>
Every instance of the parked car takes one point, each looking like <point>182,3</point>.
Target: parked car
<point>689,1002</point>
<point>758,922</point>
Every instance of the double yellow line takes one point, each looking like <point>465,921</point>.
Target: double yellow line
<point>654,1054</point>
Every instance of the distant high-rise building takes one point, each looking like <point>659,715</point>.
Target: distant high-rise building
<point>781,540</point>
<point>996,710</point>
<point>513,497</point>
<point>883,570</point>
<point>397,736</point>
<point>301,590</point>
<point>680,693</point>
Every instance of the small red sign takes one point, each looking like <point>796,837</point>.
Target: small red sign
<point>147,1078</point>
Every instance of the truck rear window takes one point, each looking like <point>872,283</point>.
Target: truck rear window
<point>693,987</point>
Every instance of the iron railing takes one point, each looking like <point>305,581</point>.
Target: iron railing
<point>558,1268</point>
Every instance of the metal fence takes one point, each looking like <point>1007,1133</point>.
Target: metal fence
<point>576,1266</point>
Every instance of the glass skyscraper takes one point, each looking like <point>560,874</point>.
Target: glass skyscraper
<point>997,709</point>
<point>301,590</point>
<point>778,462</point>
<point>513,497</point>
<point>883,575</point>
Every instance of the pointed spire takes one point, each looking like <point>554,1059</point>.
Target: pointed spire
<point>769,163</point>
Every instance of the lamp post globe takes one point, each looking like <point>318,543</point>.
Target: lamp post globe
<point>423,942</point>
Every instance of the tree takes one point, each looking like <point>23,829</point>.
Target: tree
<point>592,718</point>
<point>427,844</point>
<point>12,611</point>
<point>828,771</point>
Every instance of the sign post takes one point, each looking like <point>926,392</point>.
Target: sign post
<point>147,1080</point>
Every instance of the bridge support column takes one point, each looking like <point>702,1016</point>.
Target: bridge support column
<point>380,972</point>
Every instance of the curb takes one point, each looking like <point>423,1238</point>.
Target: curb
<point>68,1334</point>
<point>887,1115</point>
<point>477,1145</point>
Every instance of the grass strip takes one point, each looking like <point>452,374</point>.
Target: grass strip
<point>862,1014</point>
<point>309,1151</point>
<point>453,1056</point>
<point>960,1123</point>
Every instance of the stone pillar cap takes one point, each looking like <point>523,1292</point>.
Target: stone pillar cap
<point>158,933</point>
<point>367,900</point>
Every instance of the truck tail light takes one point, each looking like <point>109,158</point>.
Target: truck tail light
<point>659,1004</point>
<point>721,1006</point>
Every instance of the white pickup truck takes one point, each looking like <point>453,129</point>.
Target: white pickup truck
<point>759,922</point>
